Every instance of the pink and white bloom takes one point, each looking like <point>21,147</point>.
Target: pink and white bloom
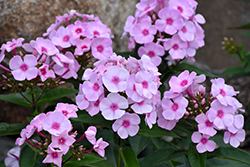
<point>94,106</point>
<point>127,125</point>
<point>143,107</point>
<point>90,134</point>
<point>115,79</point>
<point>203,143</point>
<point>183,6</point>
<point>69,110</point>
<point>99,147</point>
<point>112,106</point>
<point>56,123</point>
<point>21,140</point>
<point>187,32</point>
<point>63,141</point>
<point>204,125</point>
<point>131,89</point>
<point>54,156</point>
<point>63,37</point>
<point>38,121</point>
<point>82,46</point>
<point>164,123</point>
<point>24,68</point>
<point>45,73</point>
<point>77,29</point>
<point>81,101</point>
<point>150,118</point>
<point>98,30</point>
<point>238,123</point>
<point>9,46</point>
<point>234,138</point>
<point>170,21</point>
<point>45,46</point>
<point>12,159</point>
<point>101,48</point>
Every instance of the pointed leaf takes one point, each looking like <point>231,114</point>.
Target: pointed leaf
<point>233,71</point>
<point>129,157</point>
<point>196,159</point>
<point>10,129</point>
<point>16,98</point>
<point>138,143</point>
<point>27,157</point>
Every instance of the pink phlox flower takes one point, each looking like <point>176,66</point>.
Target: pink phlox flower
<point>115,79</point>
<point>192,47</point>
<point>162,122</point>
<point>21,140</point>
<point>37,121</point>
<point>150,118</point>
<point>63,141</point>
<point>143,107</point>
<point>9,46</point>
<point>97,29</point>
<point>87,74</point>
<point>69,64</point>
<point>93,107</point>
<point>196,86</point>
<point>170,21</point>
<point>146,6</point>
<point>45,46</point>
<point>129,24</point>
<point>81,101</point>
<point>144,31</point>
<point>30,47</point>
<point>54,156</point>
<point>82,46</point>
<point>127,125</point>
<point>187,32</point>
<point>183,6</point>
<point>203,143</point>
<point>101,48</point>
<point>220,115</point>
<point>112,106</point>
<point>132,65</point>
<point>86,17</point>
<point>182,82</point>
<point>238,123</point>
<point>146,64</point>
<point>204,125</point>
<point>55,123</point>
<point>99,147</point>
<point>69,110</point>
<point>144,84</point>
<point>177,47</point>
<point>2,55</point>
<point>30,129</point>
<point>45,73</point>
<point>63,37</point>
<point>131,89</point>
<point>24,68</point>
<point>66,16</point>
<point>222,91</point>
<point>198,18</point>
<point>174,109</point>
<point>77,29</point>
<point>12,159</point>
<point>131,43</point>
<point>90,134</point>
<point>199,35</point>
<point>152,50</point>
<point>234,138</point>
<point>170,94</point>
<point>93,88</point>
<point>52,27</point>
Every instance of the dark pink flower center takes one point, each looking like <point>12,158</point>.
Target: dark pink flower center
<point>113,107</point>
<point>116,80</point>
<point>55,126</point>
<point>61,141</point>
<point>44,49</point>
<point>24,67</point>
<point>220,113</point>
<point>208,123</point>
<point>125,123</point>
<point>84,47</point>
<point>175,47</point>
<point>100,48</point>
<point>66,65</point>
<point>43,71</point>
<point>96,33</point>
<point>145,32</point>
<point>222,92</point>
<point>151,54</point>
<point>65,112</point>
<point>97,103</point>
<point>175,107</point>
<point>96,87</point>
<point>54,155</point>
<point>169,21</point>
<point>180,9</point>
<point>145,9</point>
<point>145,84</point>
<point>203,140</point>
<point>12,45</point>
<point>184,82</point>
<point>140,103</point>
<point>184,29</point>
<point>16,157</point>
<point>78,30</point>
<point>66,38</point>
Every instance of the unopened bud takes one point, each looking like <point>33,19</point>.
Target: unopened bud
<point>20,84</point>
<point>196,105</point>
<point>4,76</point>
<point>206,108</point>
<point>61,82</point>
<point>45,144</point>
<point>78,159</point>
<point>194,101</point>
<point>41,153</point>
<point>203,101</point>
<point>189,109</point>
<point>187,113</point>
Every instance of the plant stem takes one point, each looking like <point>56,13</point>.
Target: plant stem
<point>119,153</point>
<point>26,98</point>
<point>80,138</point>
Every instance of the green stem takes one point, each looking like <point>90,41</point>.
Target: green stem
<point>119,153</point>
<point>26,98</point>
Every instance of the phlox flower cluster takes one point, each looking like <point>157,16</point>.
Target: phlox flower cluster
<point>121,89</point>
<point>217,111</point>
<point>61,138</point>
<point>160,25</point>
<point>52,54</point>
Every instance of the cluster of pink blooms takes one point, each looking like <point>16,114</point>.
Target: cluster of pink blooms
<point>61,138</point>
<point>219,111</point>
<point>165,25</point>
<point>48,56</point>
<point>121,89</point>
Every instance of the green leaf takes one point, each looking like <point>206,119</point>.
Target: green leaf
<point>2,164</point>
<point>233,71</point>
<point>189,67</point>
<point>27,157</point>
<point>196,159</point>
<point>155,131</point>
<point>90,159</point>
<point>129,157</point>
<point>234,155</point>
<point>138,143</point>
<point>95,120</point>
<point>159,143</point>
<point>10,129</point>
<point>16,98</point>
<point>55,94</point>
<point>245,26</point>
